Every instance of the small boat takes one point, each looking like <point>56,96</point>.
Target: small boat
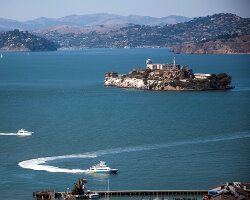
<point>89,195</point>
<point>101,168</point>
<point>23,132</point>
<point>92,195</point>
<point>1,56</point>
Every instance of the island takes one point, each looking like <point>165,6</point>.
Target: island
<point>23,41</point>
<point>168,77</point>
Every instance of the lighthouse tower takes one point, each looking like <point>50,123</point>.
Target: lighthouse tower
<point>174,64</point>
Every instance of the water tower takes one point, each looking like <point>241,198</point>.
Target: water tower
<point>148,61</point>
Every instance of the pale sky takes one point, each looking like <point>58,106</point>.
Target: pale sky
<point>30,9</point>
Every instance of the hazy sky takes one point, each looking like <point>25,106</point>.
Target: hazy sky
<point>30,9</point>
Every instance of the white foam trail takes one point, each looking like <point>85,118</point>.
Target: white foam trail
<point>40,163</point>
<point>8,134</point>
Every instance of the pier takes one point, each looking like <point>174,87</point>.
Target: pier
<point>178,194</point>
<point>117,193</point>
<point>224,191</point>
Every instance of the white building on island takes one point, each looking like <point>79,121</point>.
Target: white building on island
<point>202,76</point>
<point>165,67</point>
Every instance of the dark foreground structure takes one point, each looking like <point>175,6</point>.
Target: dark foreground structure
<point>187,194</point>
<point>130,193</point>
<point>229,191</point>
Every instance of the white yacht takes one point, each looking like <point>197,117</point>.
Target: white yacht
<point>23,132</point>
<point>101,168</point>
<point>92,195</point>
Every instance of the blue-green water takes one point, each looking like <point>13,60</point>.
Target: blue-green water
<point>157,140</point>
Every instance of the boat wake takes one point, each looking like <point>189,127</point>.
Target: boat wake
<point>22,132</point>
<point>5,134</point>
<point>40,163</point>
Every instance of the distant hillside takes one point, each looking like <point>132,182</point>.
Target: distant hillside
<point>225,44</point>
<point>23,41</point>
<point>203,35</point>
<point>130,35</point>
<point>81,21</point>
<point>100,29</point>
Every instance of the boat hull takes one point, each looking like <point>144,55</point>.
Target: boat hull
<point>112,171</point>
<point>86,196</point>
<point>26,134</point>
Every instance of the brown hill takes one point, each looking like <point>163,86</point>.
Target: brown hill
<point>219,45</point>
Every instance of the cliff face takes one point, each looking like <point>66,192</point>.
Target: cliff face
<point>230,45</point>
<point>139,84</point>
<point>153,84</point>
<point>126,83</point>
<point>167,85</point>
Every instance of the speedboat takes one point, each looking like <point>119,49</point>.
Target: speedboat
<point>88,195</point>
<point>23,132</point>
<point>101,168</point>
<point>92,195</point>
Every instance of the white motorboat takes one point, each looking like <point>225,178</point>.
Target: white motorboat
<point>92,195</point>
<point>101,168</point>
<point>23,132</point>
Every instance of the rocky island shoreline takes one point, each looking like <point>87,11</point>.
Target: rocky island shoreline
<point>168,77</point>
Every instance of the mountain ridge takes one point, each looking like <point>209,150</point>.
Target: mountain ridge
<point>88,20</point>
<point>132,35</point>
<point>199,30</point>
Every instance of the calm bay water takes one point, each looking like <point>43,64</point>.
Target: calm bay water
<point>157,140</point>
